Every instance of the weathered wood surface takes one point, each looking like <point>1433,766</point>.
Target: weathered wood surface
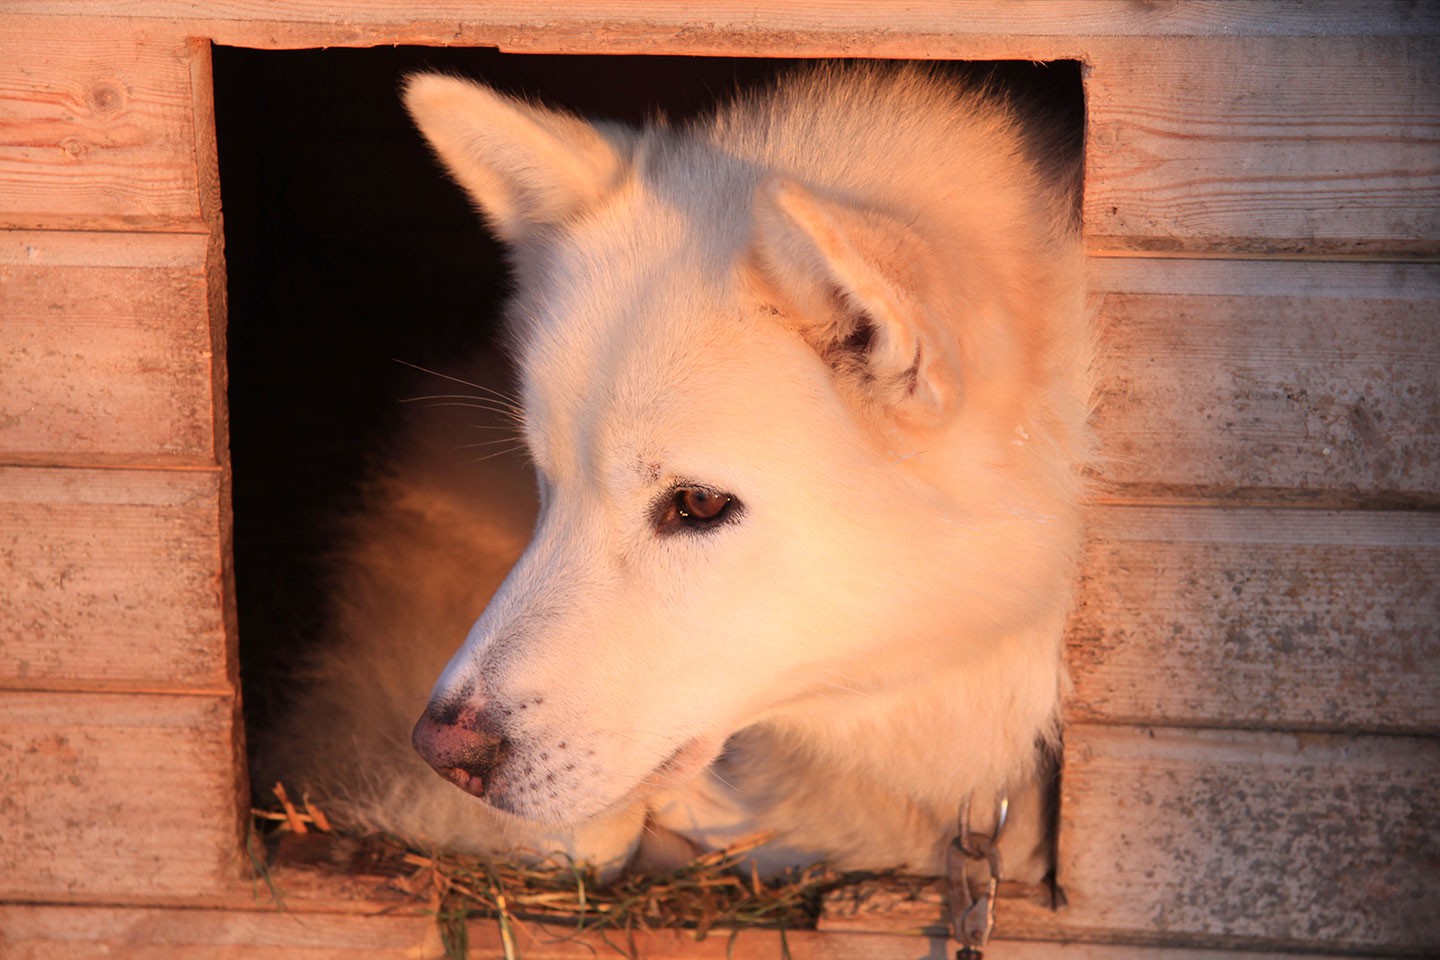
<point>1296,619</point>
<point>207,174</point>
<point>1196,143</point>
<point>111,578</point>
<point>1309,381</point>
<point>1289,839</point>
<point>96,125</point>
<point>117,796</point>
<point>105,349</point>
<point>80,933</point>
<point>1022,929</point>
<point>1035,18</point>
<point>1274,145</point>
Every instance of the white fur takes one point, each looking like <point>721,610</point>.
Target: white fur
<point>842,302</point>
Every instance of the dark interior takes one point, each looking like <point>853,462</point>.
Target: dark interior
<point>347,250</point>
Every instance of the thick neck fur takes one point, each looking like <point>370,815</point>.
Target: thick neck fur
<point>946,733</point>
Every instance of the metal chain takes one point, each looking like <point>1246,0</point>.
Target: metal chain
<point>974,858</point>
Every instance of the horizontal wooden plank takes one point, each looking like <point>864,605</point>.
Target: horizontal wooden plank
<point>105,351</point>
<point>1285,839</point>
<point>1298,379</point>
<point>55,932</point>
<point>73,933</point>
<point>97,125</point>
<point>1294,619</point>
<point>111,577</point>
<point>106,795</point>
<point>1023,930</point>
<point>1219,276</point>
<point>1033,18</point>
<point>1274,145</point>
<point>1298,144</point>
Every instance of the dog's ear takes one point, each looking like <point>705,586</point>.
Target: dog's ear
<point>857,282</point>
<point>526,167</point>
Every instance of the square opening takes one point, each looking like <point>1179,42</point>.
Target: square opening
<point>350,257</point>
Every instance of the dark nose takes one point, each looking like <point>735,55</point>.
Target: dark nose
<point>462,745</point>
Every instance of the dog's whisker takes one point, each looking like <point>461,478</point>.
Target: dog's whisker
<point>512,440</point>
<point>518,448</point>
<point>497,399</point>
<point>437,399</point>
<point>512,414</point>
<point>453,379</point>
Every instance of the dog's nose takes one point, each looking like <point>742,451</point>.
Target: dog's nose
<point>461,745</point>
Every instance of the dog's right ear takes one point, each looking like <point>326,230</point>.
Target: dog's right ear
<point>526,167</point>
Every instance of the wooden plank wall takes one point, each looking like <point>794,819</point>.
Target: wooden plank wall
<point>1251,762</point>
<point>118,712</point>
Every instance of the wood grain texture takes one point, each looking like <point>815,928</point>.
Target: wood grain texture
<point>111,578</point>
<point>1297,144</point>
<point>1291,840</point>
<point>885,905</point>
<point>1035,18</point>
<point>80,933</point>
<point>96,125</point>
<point>1273,145</point>
<point>105,349</point>
<point>107,795</point>
<point>1295,619</point>
<point>1297,380</point>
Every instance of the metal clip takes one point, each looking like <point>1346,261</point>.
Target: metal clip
<point>974,860</point>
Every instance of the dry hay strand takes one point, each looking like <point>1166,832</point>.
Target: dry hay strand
<point>717,890</point>
<point>570,901</point>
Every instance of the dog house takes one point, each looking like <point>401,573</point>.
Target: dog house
<point>1251,764</point>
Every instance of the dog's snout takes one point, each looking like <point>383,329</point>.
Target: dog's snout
<point>461,745</point>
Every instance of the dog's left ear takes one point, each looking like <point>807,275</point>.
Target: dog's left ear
<point>857,282</point>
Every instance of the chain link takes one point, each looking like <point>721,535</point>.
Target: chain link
<point>973,861</point>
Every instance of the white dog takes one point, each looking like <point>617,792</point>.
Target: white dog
<point>805,386</point>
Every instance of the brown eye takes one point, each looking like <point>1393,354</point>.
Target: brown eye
<point>693,503</point>
<point>694,508</point>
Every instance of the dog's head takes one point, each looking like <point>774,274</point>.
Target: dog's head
<point>769,468</point>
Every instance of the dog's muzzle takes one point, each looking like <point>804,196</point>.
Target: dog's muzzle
<point>461,745</point>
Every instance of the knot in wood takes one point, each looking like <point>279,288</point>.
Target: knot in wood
<point>105,97</point>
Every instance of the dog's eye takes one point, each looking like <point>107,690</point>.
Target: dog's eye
<point>699,505</point>
<point>694,508</point>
